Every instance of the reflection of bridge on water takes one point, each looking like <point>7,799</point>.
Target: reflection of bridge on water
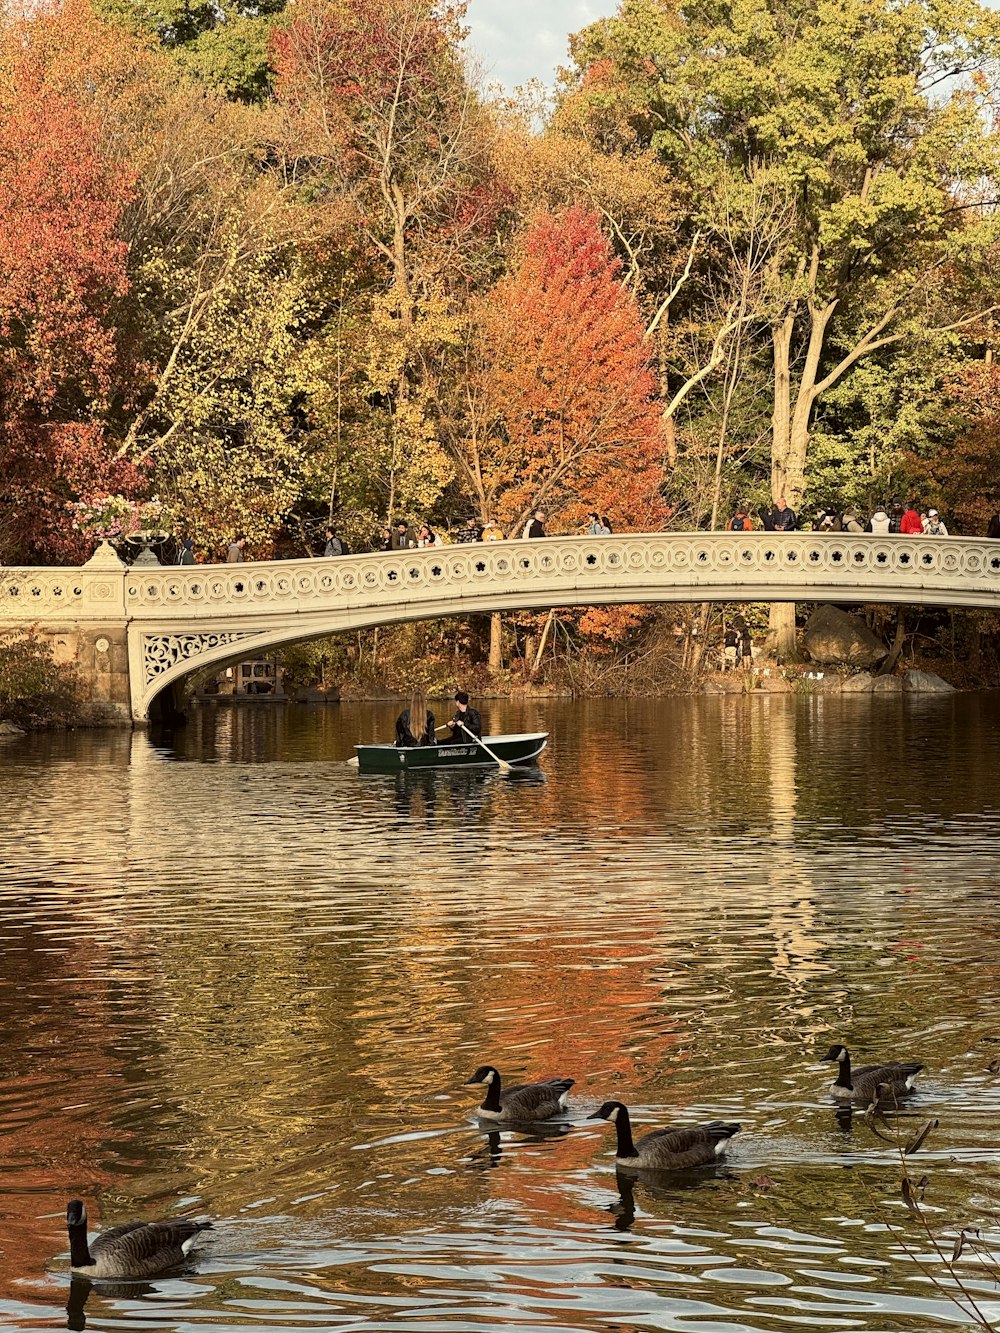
<point>166,623</point>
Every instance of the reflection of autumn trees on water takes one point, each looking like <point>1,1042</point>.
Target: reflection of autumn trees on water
<point>271,979</point>
<point>64,1066</point>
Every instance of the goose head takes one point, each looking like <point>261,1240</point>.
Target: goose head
<point>484,1074</point>
<point>837,1053</point>
<point>76,1213</point>
<point>609,1111</point>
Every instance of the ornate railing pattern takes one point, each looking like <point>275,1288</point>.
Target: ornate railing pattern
<point>180,619</point>
<point>691,566</point>
<point>51,595</point>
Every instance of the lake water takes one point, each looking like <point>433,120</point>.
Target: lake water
<point>239,979</point>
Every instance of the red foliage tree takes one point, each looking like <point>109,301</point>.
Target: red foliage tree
<point>571,392</point>
<point>966,476</point>
<point>62,266</point>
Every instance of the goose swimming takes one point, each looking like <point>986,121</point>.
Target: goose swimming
<point>675,1148</point>
<point>133,1250</point>
<point>880,1083</point>
<point>523,1101</point>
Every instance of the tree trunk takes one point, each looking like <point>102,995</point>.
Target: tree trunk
<point>781,631</point>
<point>541,644</point>
<point>669,428</point>
<point>781,617</point>
<point>698,642</point>
<point>781,417</point>
<point>975,646</point>
<point>496,643</point>
<point>886,669</point>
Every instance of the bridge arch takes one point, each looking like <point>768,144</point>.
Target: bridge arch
<point>186,619</point>
<point>140,630</point>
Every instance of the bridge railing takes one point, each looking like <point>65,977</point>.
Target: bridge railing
<point>61,593</point>
<point>780,565</point>
<point>720,566</point>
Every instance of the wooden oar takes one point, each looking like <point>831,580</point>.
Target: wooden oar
<point>505,768</point>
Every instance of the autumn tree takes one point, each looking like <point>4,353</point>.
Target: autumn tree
<point>221,282</point>
<point>62,278</point>
<point>562,412</point>
<point>965,475</point>
<point>383,123</point>
<point>874,121</point>
<point>225,44</point>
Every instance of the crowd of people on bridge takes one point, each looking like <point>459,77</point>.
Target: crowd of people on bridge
<point>892,517</point>
<point>405,535</point>
<point>910,520</point>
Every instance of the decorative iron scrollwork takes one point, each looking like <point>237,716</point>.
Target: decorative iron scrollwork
<point>160,652</point>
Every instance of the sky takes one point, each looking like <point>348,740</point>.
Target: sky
<point>519,40</point>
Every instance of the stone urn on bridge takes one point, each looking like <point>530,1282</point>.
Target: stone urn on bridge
<point>126,531</point>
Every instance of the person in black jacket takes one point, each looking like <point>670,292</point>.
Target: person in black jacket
<point>415,725</point>
<point>781,518</point>
<point>467,717</point>
<point>470,533</point>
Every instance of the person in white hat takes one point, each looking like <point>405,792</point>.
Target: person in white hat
<point>933,527</point>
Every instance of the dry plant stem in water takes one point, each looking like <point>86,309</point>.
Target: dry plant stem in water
<point>969,1239</point>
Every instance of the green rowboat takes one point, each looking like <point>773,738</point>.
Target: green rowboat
<point>521,750</point>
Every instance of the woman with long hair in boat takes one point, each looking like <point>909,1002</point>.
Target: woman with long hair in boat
<point>415,724</point>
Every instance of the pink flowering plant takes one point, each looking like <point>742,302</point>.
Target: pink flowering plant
<point>113,517</point>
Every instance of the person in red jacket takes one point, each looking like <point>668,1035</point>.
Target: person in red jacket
<point>911,524</point>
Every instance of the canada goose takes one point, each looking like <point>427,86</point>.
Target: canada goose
<point>134,1250</point>
<point>878,1083</point>
<point>524,1101</point>
<point>672,1149</point>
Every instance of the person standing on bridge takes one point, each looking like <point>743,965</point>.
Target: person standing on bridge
<point>535,527</point>
<point>235,555</point>
<point>403,536</point>
<point>910,524</point>
<point>934,527</point>
<point>878,524</point>
<point>781,518</point>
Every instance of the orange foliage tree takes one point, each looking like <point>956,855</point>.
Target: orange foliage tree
<point>562,411</point>
<point>62,269</point>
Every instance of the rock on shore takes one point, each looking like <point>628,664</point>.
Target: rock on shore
<point>925,682</point>
<point>833,638</point>
<point>910,682</point>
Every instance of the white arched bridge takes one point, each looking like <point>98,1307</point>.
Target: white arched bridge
<point>135,631</point>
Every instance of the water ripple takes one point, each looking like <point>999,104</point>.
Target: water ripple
<point>239,979</point>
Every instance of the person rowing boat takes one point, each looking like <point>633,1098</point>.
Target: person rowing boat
<point>466,719</point>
